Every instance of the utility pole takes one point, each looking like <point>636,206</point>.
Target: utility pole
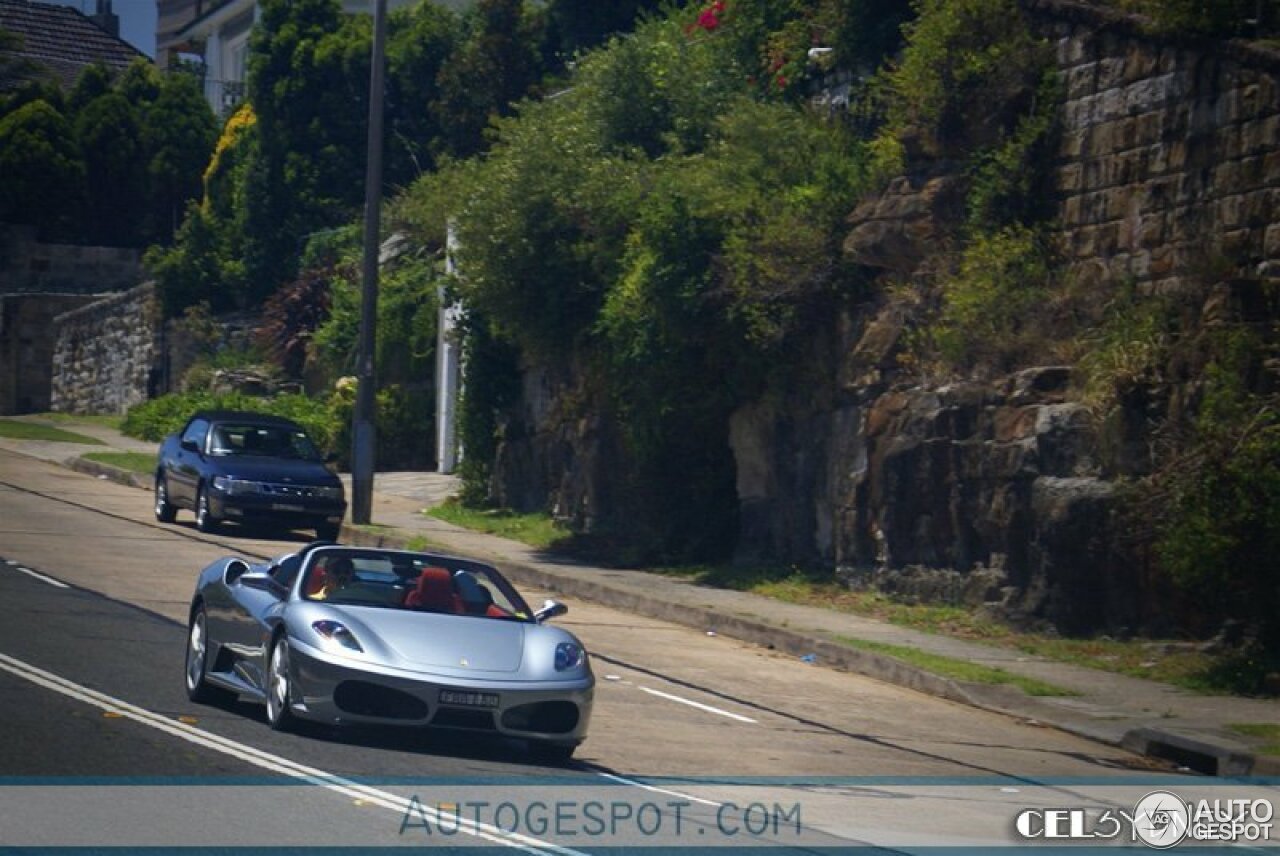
<point>362,428</point>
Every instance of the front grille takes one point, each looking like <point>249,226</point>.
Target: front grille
<point>456,717</point>
<point>544,717</point>
<point>365,699</point>
<point>289,491</point>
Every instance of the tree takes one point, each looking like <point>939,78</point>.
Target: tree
<point>419,43</point>
<point>93,83</point>
<point>179,131</point>
<point>43,169</point>
<point>495,67</point>
<point>110,136</point>
<point>308,82</point>
<point>574,26</point>
<point>139,83</point>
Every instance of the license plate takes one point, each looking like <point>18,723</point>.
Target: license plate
<point>280,506</point>
<point>469,699</point>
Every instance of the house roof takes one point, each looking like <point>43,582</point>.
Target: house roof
<point>63,40</point>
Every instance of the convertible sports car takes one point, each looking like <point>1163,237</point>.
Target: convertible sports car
<point>339,635</point>
<point>247,468</point>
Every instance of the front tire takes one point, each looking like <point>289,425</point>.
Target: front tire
<point>165,512</point>
<point>205,521</point>
<point>552,753</point>
<point>197,663</point>
<point>279,688</point>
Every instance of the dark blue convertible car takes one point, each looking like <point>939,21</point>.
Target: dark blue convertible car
<point>248,468</point>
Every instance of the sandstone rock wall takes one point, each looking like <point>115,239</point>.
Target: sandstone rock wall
<point>1170,158</point>
<point>108,354</point>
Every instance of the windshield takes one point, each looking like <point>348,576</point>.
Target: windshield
<point>411,581</point>
<point>270,441</point>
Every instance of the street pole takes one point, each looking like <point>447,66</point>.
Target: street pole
<point>362,427</point>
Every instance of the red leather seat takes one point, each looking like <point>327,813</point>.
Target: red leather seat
<point>434,592</point>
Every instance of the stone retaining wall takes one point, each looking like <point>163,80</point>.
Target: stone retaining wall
<point>29,266</point>
<point>108,354</point>
<point>1169,165</point>
<point>26,348</point>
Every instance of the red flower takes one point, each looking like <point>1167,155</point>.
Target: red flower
<point>708,20</point>
<point>781,82</point>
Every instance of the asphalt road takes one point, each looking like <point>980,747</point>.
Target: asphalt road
<point>696,739</point>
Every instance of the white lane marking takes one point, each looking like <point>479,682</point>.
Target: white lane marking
<point>41,577</point>
<point>658,790</point>
<point>697,704</point>
<point>276,763</point>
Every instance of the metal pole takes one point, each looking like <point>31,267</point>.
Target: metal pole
<point>362,429</point>
<point>448,360</point>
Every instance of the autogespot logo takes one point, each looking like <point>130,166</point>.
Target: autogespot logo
<point>1161,819</point>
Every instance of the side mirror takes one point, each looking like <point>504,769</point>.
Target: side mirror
<point>550,609</point>
<point>234,570</point>
<point>190,446</point>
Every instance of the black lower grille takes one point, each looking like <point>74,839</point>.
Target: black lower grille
<point>365,699</point>
<point>456,717</point>
<point>544,717</point>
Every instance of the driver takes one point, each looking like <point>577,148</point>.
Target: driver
<point>338,574</point>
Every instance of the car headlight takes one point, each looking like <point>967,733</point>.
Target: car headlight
<point>235,487</point>
<point>329,492</point>
<point>569,655</point>
<point>336,631</point>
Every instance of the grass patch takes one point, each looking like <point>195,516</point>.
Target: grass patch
<point>960,670</point>
<point>1159,660</point>
<point>106,420</point>
<point>536,530</point>
<point>1265,731</point>
<point>16,430</point>
<point>143,463</point>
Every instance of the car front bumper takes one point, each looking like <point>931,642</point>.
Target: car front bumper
<point>252,508</point>
<point>334,690</point>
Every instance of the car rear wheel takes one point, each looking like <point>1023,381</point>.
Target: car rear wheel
<point>279,688</point>
<point>327,531</point>
<point>205,521</point>
<point>197,666</point>
<point>165,512</point>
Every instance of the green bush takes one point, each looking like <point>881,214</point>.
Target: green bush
<point>1219,534</point>
<point>990,306</point>
<point>156,419</point>
<point>965,76</point>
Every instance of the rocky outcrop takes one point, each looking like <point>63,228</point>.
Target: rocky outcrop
<point>996,491</point>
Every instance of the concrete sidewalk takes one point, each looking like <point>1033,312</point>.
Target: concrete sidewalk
<point>1147,717</point>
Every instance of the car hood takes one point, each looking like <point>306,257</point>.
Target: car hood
<point>276,470</point>
<point>459,644</point>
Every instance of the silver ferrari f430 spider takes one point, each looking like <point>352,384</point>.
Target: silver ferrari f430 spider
<point>339,635</point>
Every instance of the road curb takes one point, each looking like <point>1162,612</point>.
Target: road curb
<point>108,472</point>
